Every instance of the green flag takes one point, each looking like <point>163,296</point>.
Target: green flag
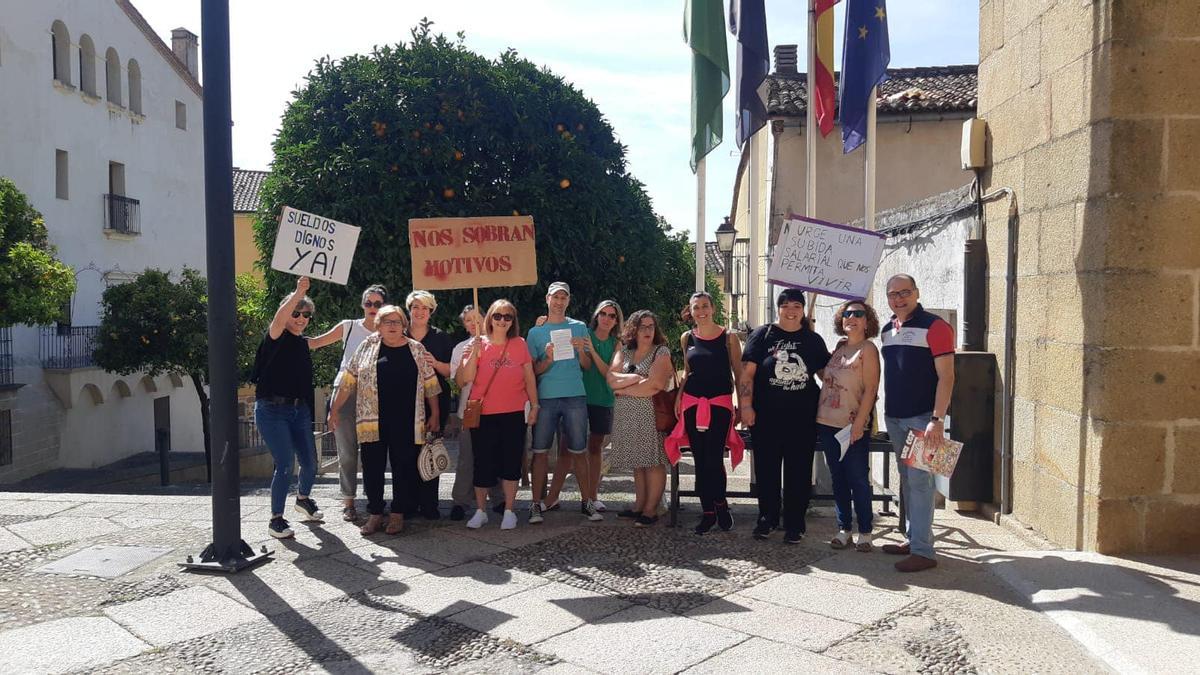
<point>704,31</point>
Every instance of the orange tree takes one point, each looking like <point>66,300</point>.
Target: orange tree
<point>34,285</point>
<point>430,129</point>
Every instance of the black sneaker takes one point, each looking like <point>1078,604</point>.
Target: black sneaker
<point>762,530</point>
<point>707,521</point>
<point>645,521</point>
<point>724,517</point>
<point>279,528</point>
<point>457,513</point>
<point>629,513</point>
<point>309,508</point>
<point>793,537</point>
<point>431,513</point>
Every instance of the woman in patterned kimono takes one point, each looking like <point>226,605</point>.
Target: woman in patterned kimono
<point>638,371</point>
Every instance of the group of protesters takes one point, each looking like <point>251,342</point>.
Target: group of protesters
<point>392,393</point>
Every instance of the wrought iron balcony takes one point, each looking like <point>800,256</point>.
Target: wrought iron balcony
<point>63,347</point>
<point>122,214</point>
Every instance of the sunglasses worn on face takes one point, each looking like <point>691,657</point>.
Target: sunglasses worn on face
<point>856,313</point>
<point>894,295</point>
<point>376,304</point>
<point>297,315</point>
<point>392,323</point>
<point>502,317</point>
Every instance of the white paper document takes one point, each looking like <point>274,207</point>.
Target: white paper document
<point>843,439</point>
<point>561,339</point>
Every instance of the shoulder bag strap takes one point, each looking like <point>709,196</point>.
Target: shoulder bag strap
<point>499,364</point>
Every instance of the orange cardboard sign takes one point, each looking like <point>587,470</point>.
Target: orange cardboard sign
<point>479,252</point>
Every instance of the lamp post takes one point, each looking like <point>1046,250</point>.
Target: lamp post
<point>726,236</point>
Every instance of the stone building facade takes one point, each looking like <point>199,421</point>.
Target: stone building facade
<point>1094,123</point>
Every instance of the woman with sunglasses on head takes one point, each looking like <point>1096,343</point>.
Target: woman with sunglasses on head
<point>778,393</point>
<point>712,362</point>
<point>499,368</point>
<point>851,382</point>
<point>351,333</point>
<point>394,387</point>
<point>639,371</point>
<point>438,349</point>
<point>283,377</point>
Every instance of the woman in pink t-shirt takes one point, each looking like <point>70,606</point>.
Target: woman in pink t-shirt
<point>500,371</point>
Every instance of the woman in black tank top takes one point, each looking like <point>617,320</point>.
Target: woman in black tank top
<point>712,362</point>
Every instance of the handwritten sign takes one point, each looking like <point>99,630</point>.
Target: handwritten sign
<point>314,246</point>
<point>472,252</point>
<point>826,258</point>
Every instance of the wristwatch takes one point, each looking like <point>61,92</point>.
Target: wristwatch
<point>935,418</point>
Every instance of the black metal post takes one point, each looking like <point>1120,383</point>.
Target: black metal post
<point>227,552</point>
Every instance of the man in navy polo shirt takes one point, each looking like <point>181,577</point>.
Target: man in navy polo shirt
<point>918,368</point>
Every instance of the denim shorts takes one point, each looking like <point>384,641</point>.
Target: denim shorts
<point>572,412</point>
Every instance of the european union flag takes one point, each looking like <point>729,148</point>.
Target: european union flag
<point>865,57</point>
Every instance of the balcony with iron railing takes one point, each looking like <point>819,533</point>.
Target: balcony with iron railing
<point>66,347</point>
<point>122,215</point>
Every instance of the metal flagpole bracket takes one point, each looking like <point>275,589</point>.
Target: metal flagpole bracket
<point>243,558</point>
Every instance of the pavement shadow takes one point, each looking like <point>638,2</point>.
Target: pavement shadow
<point>1099,588</point>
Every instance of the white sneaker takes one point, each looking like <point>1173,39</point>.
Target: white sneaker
<point>509,522</point>
<point>478,520</point>
<point>589,510</point>
<point>535,513</point>
<point>599,505</point>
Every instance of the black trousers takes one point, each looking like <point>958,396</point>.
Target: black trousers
<point>403,458</point>
<point>499,446</point>
<point>783,458</point>
<point>708,450</point>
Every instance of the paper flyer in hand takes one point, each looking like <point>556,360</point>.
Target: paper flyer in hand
<point>561,339</point>
<point>843,439</point>
<point>939,460</point>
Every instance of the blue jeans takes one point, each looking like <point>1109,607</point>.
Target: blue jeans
<point>851,482</point>
<point>288,432</point>
<point>918,487</point>
<point>573,413</point>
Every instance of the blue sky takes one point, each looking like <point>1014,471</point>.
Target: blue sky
<point>626,55</point>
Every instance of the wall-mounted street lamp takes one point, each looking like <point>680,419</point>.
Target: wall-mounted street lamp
<point>726,237</point>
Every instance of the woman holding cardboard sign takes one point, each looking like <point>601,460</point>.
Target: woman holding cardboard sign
<point>395,385</point>
<point>500,390</point>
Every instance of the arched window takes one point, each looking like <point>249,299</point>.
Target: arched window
<point>87,64</point>
<point>60,46</point>
<point>112,76</point>
<point>135,87</point>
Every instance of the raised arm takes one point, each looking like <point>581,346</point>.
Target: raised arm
<point>279,322</point>
<point>328,337</point>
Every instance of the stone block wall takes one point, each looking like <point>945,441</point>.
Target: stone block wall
<point>1094,122</point>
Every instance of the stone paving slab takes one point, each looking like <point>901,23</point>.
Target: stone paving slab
<point>33,508</point>
<point>746,614</point>
<point>765,657</point>
<point>440,545</point>
<point>180,616</point>
<point>387,563</point>
<point>636,640</point>
<point>57,530</point>
<point>833,599</point>
<point>104,561</point>
<point>11,542</point>
<point>279,587</point>
<point>456,589</point>
<point>540,613</point>
<point>66,644</point>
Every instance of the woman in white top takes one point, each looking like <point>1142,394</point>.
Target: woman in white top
<point>351,333</point>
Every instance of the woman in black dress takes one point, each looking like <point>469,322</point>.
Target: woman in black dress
<point>438,349</point>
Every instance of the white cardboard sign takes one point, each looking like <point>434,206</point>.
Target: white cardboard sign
<point>314,246</point>
<point>826,258</point>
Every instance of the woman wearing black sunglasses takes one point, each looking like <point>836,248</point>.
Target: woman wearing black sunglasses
<point>351,333</point>
<point>778,393</point>
<point>848,398</point>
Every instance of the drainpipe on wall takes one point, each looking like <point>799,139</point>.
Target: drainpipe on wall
<point>1010,347</point>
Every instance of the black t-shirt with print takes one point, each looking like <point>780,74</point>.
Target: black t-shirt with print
<point>786,363</point>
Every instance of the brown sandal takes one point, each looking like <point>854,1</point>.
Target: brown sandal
<point>372,525</point>
<point>395,524</point>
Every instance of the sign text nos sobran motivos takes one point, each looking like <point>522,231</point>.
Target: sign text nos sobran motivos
<point>827,258</point>
<point>314,246</point>
<point>473,252</point>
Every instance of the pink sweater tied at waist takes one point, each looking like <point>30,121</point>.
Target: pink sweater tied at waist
<point>678,437</point>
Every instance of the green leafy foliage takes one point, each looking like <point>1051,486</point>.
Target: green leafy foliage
<point>34,286</point>
<point>429,129</point>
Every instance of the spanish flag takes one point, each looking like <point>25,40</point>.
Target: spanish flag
<point>823,95</point>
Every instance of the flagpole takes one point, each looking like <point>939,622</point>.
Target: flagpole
<point>755,297</point>
<point>869,163</point>
<point>700,241</point>
<point>810,132</point>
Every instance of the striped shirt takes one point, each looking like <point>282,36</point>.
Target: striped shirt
<point>909,377</point>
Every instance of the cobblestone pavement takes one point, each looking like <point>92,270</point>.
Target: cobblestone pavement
<point>563,597</point>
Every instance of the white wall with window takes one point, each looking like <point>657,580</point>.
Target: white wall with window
<point>91,94</point>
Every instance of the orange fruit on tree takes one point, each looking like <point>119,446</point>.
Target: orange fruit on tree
<point>564,183</point>
<point>448,193</point>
